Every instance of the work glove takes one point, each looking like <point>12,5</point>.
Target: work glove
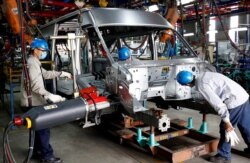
<point>65,74</point>
<point>232,137</point>
<point>54,98</point>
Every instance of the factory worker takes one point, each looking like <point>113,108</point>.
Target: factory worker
<point>230,101</point>
<point>40,96</point>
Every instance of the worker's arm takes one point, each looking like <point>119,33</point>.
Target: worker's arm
<point>50,74</point>
<point>214,100</point>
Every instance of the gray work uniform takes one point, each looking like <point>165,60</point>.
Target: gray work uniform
<point>37,76</point>
<point>222,93</point>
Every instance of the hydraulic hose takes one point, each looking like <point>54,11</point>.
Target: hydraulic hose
<point>31,145</point>
<point>7,153</point>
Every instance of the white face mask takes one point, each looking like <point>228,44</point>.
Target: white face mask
<point>43,55</point>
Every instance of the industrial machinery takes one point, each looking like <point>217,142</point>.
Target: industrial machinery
<point>86,43</point>
<point>91,39</point>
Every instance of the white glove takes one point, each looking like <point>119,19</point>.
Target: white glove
<point>54,98</point>
<point>232,138</point>
<point>65,74</point>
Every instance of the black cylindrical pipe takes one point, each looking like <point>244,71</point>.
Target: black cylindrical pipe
<point>51,115</point>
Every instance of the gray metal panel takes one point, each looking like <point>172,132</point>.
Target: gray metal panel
<point>151,63</point>
<point>85,19</point>
<point>48,31</point>
<point>63,18</point>
<point>125,17</point>
<point>109,17</point>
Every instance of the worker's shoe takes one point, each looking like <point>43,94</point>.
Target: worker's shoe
<point>36,155</point>
<point>247,151</point>
<point>52,160</point>
<point>219,159</point>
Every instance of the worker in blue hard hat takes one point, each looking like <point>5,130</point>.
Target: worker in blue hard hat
<point>230,101</point>
<point>40,96</point>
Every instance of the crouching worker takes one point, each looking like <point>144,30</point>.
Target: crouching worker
<point>40,96</point>
<point>230,101</point>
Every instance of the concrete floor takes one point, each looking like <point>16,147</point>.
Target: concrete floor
<point>76,145</point>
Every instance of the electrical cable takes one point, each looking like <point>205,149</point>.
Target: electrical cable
<point>96,122</point>
<point>143,42</point>
<point>31,145</point>
<point>70,58</point>
<point>7,154</point>
<point>9,150</point>
<point>114,45</point>
<point>58,57</point>
<point>28,15</point>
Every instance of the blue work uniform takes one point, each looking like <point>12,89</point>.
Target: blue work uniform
<point>230,101</point>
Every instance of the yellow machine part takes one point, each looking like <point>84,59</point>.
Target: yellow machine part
<point>103,3</point>
<point>28,123</point>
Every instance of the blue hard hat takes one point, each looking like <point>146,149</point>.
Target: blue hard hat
<point>39,43</point>
<point>124,53</point>
<point>184,77</point>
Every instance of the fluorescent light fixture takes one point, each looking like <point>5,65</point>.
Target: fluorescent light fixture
<point>153,8</point>
<point>234,21</point>
<point>239,29</point>
<point>212,32</point>
<point>188,34</point>
<point>246,25</point>
<point>184,2</point>
<point>189,5</point>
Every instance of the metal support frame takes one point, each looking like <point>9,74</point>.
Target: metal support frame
<point>13,81</point>
<point>71,37</point>
<point>177,145</point>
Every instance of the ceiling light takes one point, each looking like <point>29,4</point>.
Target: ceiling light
<point>239,29</point>
<point>188,34</point>
<point>152,8</point>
